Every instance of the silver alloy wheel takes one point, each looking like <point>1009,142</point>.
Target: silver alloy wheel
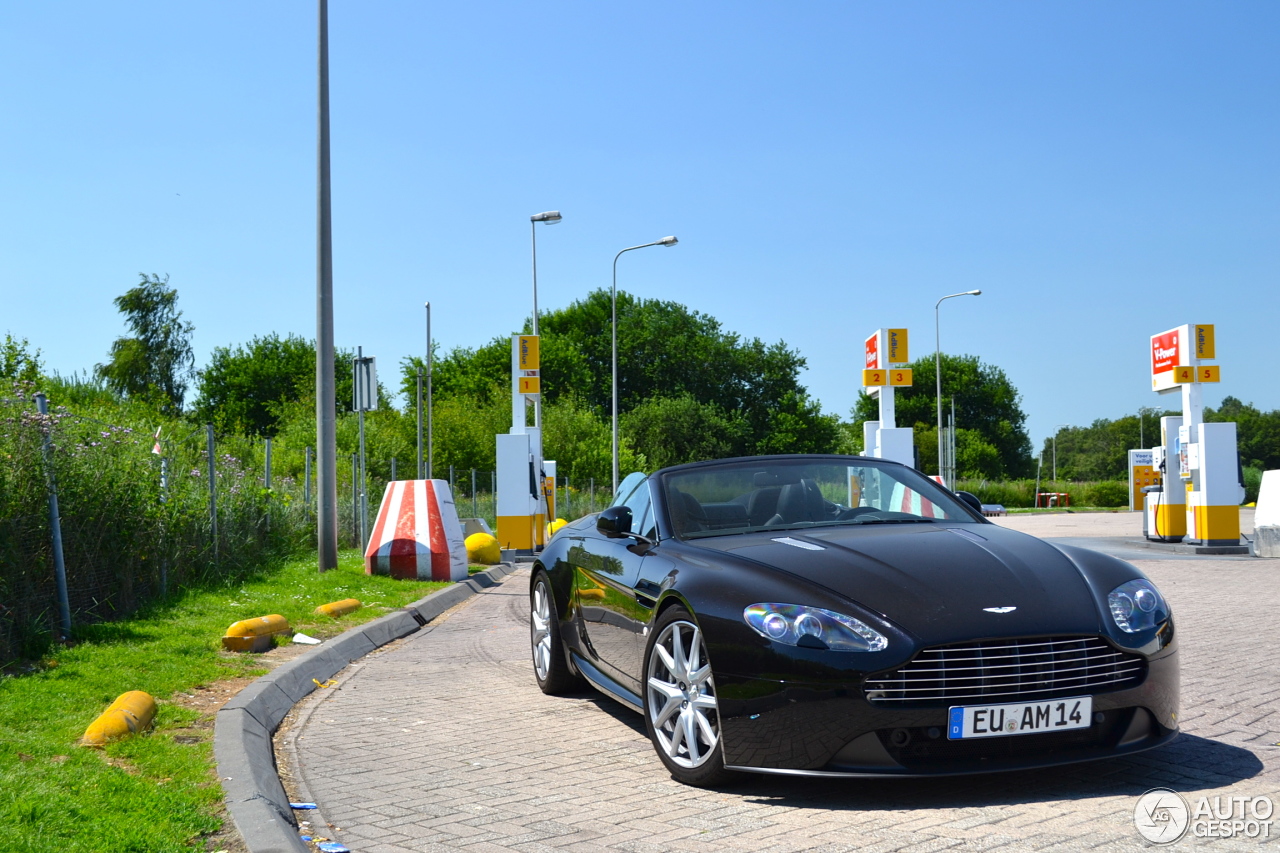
<point>681,699</point>
<point>540,630</point>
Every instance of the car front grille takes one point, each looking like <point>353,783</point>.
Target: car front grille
<point>1007,671</point>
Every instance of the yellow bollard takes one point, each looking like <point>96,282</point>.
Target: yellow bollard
<point>255,635</point>
<point>553,526</point>
<point>483,549</point>
<point>338,608</point>
<point>131,713</point>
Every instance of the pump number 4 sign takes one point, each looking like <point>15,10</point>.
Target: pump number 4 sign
<point>1019,718</point>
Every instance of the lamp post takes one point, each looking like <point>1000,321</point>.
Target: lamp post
<point>613,296</point>
<point>326,414</point>
<point>429,444</point>
<point>550,217</point>
<point>1057,429</point>
<point>937,365</point>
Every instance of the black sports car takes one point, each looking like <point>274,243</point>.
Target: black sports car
<point>839,615</point>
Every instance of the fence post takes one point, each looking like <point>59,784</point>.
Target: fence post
<point>355,498</point>
<point>566,497</point>
<point>210,449</point>
<point>55,518</point>
<point>592,493</point>
<point>451,478</point>
<point>267,478</point>
<point>474,513</point>
<point>164,498</point>
<point>393,469</point>
<point>306,477</point>
<point>420,477</point>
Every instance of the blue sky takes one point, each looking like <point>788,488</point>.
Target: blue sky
<point>1102,171</point>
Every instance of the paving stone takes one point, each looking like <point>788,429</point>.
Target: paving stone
<point>442,741</point>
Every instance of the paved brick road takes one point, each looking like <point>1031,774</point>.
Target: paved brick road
<point>444,742</point>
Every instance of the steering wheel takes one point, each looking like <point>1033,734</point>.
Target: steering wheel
<point>854,512</point>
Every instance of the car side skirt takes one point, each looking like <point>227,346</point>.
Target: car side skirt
<point>606,685</point>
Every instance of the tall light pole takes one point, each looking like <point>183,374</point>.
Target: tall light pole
<point>613,296</point>
<point>1057,429</point>
<point>430,446</point>
<point>326,414</point>
<point>937,365</point>
<point>550,217</point>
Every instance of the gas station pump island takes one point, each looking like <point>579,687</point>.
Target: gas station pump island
<point>886,353</point>
<point>1198,500</point>
<point>526,483</point>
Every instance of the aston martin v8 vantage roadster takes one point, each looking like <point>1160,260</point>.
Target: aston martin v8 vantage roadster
<point>840,615</point>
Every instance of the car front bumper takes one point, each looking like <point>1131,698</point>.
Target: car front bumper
<point>771,726</point>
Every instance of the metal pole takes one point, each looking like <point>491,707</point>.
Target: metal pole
<point>355,498</point>
<point>210,450</point>
<point>326,414</point>
<point>267,479</point>
<point>537,401</point>
<point>451,477</point>
<point>474,514</point>
<point>419,469</point>
<point>937,366</point>
<point>393,469</point>
<point>1055,456</point>
<point>937,369</point>
<point>306,477</point>
<point>362,509</point>
<point>613,299</point>
<point>55,518</point>
<point>430,445</point>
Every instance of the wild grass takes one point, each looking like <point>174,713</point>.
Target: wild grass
<point>156,792</point>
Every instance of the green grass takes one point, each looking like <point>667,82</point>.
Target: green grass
<point>157,792</point>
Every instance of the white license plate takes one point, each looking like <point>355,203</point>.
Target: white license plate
<point>1019,718</point>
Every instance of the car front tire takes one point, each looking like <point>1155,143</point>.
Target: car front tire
<point>680,707</point>
<point>550,667</point>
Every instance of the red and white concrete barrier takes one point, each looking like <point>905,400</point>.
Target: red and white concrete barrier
<point>417,535</point>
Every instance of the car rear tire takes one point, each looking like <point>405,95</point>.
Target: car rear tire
<point>550,666</point>
<point>680,707</point>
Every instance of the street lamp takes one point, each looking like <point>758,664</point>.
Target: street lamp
<point>613,297</point>
<point>1057,429</point>
<point>937,367</point>
<point>550,217</point>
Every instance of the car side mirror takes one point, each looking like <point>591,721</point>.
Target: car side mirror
<point>615,522</point>
<point>972,500</point>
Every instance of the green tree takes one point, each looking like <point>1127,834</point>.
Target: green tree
<point>17,361</point>
<point>156,362</point>
<point>672,430</point>
<point>1257,432</point>
<point>666,352</point>
<point>986,403</point>
<point>244,387</point>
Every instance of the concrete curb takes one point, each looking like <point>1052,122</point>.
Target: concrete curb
<point>243,727</point>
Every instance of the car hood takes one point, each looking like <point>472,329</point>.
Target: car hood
<point>935,581</point>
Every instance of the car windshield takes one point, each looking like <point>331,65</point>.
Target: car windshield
<point>780,494</point>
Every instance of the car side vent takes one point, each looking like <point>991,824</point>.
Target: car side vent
<point>1006,671</point>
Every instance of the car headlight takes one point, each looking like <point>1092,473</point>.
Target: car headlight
<point>813,628</point>
<point>1137,606</point>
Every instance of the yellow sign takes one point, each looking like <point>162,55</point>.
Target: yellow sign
<point>1207,373</point>
<point>530,385</point>
<point>900,376</point>
<point>875,377</point>
<point>1204,343</point>
<point>1184,374</point>
<point>898,347</point>
<point>528,352</point>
